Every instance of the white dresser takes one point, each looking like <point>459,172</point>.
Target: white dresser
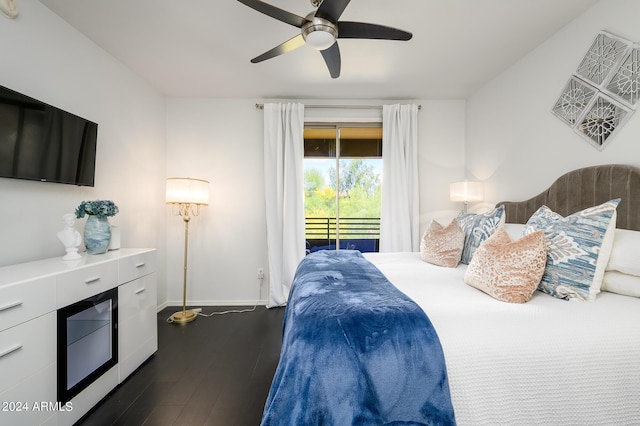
<point>31,293</point>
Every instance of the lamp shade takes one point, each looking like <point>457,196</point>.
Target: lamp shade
<point>187,191</point>
<point>465,191</point>
<point>320,40</point>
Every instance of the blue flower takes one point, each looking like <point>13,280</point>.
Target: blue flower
<point>99,208</point>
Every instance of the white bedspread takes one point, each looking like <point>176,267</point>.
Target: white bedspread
<point>546,362</point>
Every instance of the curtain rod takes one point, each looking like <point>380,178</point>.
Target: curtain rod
<point>261,106</point>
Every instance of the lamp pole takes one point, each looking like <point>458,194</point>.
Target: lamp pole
<point>184,315</point>
<point>188,195</point>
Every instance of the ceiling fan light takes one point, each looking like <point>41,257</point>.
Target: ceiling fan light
<point>320,40</point>
<point>319,33</point>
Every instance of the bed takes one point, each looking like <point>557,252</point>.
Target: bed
<point>546,361</point>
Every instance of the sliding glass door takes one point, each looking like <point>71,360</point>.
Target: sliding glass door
<point>343,176</point>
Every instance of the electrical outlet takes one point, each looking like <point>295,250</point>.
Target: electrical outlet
<point>260,273</point>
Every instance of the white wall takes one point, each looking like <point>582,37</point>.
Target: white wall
<point>45,58</point>
<point>442,155</point>
<point>220,140</point>
<point>514,143</point>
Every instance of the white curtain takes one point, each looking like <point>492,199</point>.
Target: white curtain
<point>399,215</point>
<point>284,195</point>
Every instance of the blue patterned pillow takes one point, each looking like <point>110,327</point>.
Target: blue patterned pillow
<point>574,244</point>
<point>477,228</point>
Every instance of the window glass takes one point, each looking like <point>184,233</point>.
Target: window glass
<point>343,191</point>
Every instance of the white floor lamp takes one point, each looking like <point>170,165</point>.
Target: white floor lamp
<point>186,195</point>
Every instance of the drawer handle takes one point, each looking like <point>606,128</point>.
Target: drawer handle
<point>11,305</point>
<point>139,265</point>
<point>140,290</point>
<point>91,280</point>
<point>10,350</point>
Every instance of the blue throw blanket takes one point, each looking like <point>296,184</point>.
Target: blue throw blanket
<point>356,351</point>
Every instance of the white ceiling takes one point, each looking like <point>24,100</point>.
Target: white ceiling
<point>202,48</point>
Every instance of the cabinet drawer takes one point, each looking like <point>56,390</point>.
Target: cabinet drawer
<point>136,266</point>
<point>137,323</point>
<point>26,348</point>
<point>136,296</point>
<point>26,300</point>
<point>37,388</point>
<point>81,283</point>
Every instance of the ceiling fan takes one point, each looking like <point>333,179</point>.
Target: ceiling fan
<point>320,29</point>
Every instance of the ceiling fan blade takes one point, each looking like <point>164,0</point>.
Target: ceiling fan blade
<point>371,31</point>
<point>332,9</point>
<point>283,48</point>
<point>331,56</point>
<point>274,12</point>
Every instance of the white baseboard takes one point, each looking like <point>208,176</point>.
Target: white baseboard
<point>162,306</point>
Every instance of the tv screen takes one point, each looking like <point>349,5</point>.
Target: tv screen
<point>41,142</point>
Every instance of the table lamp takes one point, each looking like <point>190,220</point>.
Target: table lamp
<point>465,192</point>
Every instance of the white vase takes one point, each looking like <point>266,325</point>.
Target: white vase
<point>114,244</point>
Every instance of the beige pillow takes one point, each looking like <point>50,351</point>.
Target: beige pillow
<point>508,270</point>
<point>442,246</point>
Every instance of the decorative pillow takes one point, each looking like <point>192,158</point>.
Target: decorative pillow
<point>625,284</point>
<point>508,270</point>
<point>578,249</point>
<point>477,228</point>
<point>515,230</point>
<point>442,246</point>
<point>624,254</point>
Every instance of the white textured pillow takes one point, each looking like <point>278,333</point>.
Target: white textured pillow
<point>625,284</point>
<point>624,254</point>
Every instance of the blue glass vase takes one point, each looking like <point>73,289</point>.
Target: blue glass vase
<point>97,234</point>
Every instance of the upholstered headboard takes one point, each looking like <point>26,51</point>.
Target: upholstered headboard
<point>582,188</point>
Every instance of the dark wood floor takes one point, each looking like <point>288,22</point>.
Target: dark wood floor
<point>213,371</point>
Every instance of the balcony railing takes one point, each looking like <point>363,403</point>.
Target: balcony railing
<point>349,233</point>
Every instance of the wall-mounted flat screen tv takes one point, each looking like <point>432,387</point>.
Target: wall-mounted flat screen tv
<point>41,142</point>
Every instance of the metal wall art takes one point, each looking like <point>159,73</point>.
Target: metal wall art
<point>604,91</point>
